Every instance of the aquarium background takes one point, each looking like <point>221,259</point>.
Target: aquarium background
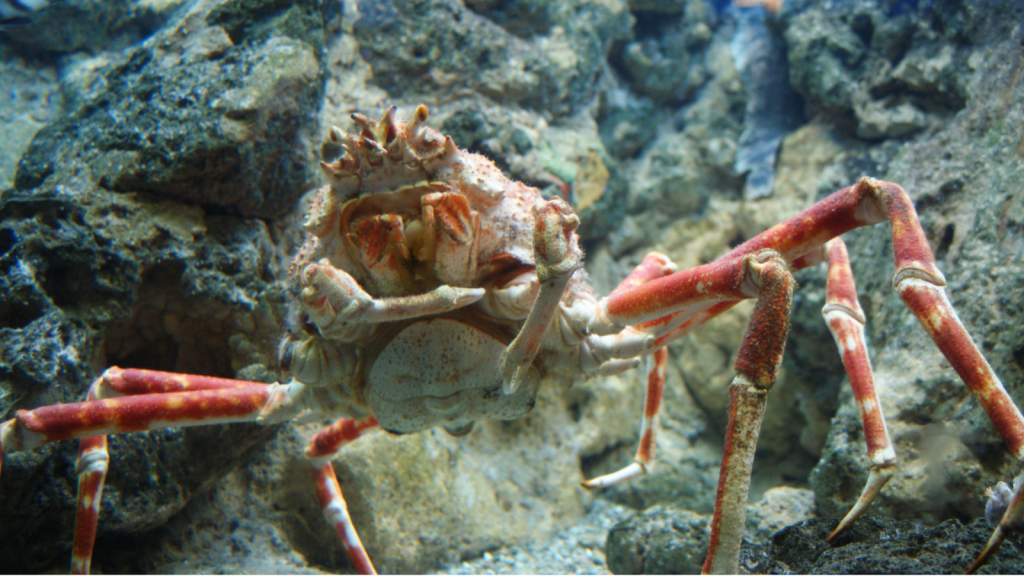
<point>154,162</point>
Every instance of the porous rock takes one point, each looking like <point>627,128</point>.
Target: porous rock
<point>209,111</point>
<point>877,545</point>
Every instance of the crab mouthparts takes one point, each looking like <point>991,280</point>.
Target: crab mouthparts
<point>447,407</point>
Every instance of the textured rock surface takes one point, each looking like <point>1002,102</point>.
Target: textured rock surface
<point>667,539</point>
<point>885,546</point>
<point>214,110</point>
<point>151,217</point>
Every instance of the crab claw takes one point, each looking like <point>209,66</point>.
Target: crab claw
<point>557,259</point>
<point>334,300</point>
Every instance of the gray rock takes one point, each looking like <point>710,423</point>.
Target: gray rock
<point>666,61</point>
<point>93,278</point>
<point>666,539</point>
<point>662,540</point>
<point>885,546</point>
<point>430,47</point>
<point>198,115</point>
<point>778,508</point>
<point>891,70</point>
<point>28,103</point>
<point>65,27</point>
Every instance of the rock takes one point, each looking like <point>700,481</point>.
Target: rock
<point>882,68</point>
<point>666,60</point>
<point>65,27</point>
<point>29,102</point>
<point>884,546</point>
<point>662,540</point>
<point>118,280</point>
<point>666,539</point>
<point>427,47</point>
<point>199,116</point>
<point>778,508</point>
<point>94,278</point>
<point>627,123</point>
<point>669,177</point>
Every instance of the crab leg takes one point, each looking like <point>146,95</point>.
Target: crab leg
<point>757,364</point>
<point>557,259</point>
<point>33,428</point>
<point>644,459</point>
<point>321,448</point>
<point>709,289</point>
<point>334,299</point>
<point>93,456</point>
<point>846,321</point>
<point>680,300</point>
<point>153,400</point>
<point>917,280</point>
<point>92,474</point>
<point>654,265</point>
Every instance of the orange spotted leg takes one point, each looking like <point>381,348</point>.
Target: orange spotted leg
<point>321,448</point>
<point>673,305</point>
<point>654,265</point>
<point>644,459</point>
<point>93,456</point>
<point>122,401</point>
<point>757,365</point>
<point>846,321</point>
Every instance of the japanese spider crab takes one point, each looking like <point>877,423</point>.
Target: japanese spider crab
<point>436,292</point>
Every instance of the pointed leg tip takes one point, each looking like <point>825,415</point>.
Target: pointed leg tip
<point>980,560</point>
<point>839,531</point>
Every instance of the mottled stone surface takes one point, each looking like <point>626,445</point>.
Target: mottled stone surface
<point>667,539</point>
<point>213,110</point>
<point>542,55</point>
<point>664,540</point>
<point>884,546</point>
<point>891,68</point>
<point>67,27</point>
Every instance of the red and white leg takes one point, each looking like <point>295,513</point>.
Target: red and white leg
<point>921,287</point>
<point>699,293</point>
<point>644,459</point>
<point>846,321</point>
<point>757,365</point>
<point>121,401</point>
<point>321,448</point>
<point>654,265</point>
<point>674,304</point>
